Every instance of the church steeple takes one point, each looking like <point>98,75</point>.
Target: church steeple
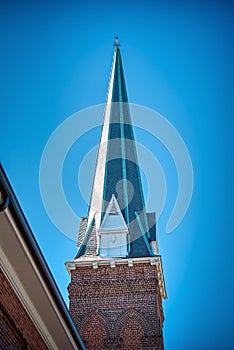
<point>117,283</point>
<point>117,173</point>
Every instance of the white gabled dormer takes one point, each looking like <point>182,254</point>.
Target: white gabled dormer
<point>113,232</point>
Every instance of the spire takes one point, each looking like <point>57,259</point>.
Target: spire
<point>116,43</point>
<point>117,174</point>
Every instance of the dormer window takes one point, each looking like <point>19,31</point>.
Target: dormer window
<point>113,245</point>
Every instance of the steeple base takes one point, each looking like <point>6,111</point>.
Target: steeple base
<point>117,305</point>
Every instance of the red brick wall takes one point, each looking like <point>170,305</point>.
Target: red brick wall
<point>17,331</point>
<point>117,308</point>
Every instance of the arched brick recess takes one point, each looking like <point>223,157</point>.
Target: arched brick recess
<point>131,335</point>
<point>94,330</point>
<point>131,315</point>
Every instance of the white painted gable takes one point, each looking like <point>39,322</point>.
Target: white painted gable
<point>113,219</point>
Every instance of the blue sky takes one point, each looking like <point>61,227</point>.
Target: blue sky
<point>178,60</point>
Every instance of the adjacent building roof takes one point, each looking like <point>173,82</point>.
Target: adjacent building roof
<point>26,270</point>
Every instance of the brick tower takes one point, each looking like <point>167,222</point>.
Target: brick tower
<point>117,282</point>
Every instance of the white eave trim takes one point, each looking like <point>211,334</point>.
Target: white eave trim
<point>19,290</point>
<point>22,293</point>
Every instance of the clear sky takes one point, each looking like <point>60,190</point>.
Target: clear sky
<point>178,60</point>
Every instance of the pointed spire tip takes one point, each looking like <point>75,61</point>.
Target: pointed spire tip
<point>116,43</point>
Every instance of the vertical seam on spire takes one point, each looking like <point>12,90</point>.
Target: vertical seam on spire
<point>139,178</point>
<point>143,234</point>
<point>123,148</point>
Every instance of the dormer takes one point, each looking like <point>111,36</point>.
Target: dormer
<point>113,232</point>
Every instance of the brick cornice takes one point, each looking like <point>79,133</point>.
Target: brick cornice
<point>97,262</point>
